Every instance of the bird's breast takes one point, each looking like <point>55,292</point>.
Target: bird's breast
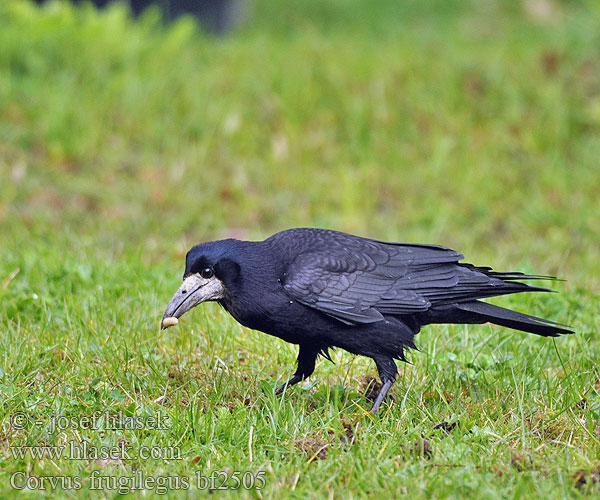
<point>273,313</point>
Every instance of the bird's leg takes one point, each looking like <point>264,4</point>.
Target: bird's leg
<point>387,373</point>
<point>306,366</point>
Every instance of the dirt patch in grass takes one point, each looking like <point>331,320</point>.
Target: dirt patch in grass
<point>587,477</point>
<point>445,427</point>
<point>370,387</point>
<point>348,435</point>
<point>313,448</point>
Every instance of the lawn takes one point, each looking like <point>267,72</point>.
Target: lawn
<point>475,125</point>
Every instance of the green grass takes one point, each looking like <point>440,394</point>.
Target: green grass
<point>475,125</point>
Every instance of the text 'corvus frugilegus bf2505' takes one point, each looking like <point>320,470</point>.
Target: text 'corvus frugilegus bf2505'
<point>320,289</point>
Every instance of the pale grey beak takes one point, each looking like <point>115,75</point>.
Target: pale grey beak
<point>194,290</point>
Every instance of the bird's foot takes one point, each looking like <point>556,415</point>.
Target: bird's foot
<point>294,380</point>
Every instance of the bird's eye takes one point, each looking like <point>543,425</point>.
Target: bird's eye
<point>207,273</point>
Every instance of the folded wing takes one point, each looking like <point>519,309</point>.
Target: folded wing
<point>362,280</point>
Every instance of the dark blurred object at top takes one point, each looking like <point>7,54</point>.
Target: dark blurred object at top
<point>217,16</point>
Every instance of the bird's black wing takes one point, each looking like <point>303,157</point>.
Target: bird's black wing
<point>358,280</point>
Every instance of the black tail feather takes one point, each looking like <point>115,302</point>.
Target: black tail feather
<point>507,276</point>
<point>514,319</point>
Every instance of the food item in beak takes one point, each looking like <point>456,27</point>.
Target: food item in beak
<point>170,321</point>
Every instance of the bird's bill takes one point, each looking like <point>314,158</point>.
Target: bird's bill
<point>194,290</point>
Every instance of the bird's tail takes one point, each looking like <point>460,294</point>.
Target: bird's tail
<point>506,317</point>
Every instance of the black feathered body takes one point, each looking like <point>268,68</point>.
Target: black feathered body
<point>321,289</point>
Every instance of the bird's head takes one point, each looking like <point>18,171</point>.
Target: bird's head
<point>209,269</point>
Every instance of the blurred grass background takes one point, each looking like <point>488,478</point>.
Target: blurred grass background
<point>474,125</point>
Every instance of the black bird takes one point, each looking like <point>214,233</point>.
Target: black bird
<point>320,289</point>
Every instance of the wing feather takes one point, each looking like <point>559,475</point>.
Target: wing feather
<point>359,281</point>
